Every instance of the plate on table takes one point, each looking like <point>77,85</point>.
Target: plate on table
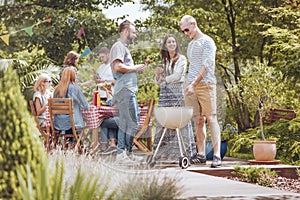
<point>104,103</point>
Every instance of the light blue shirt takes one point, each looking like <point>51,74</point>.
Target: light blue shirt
<point>62,122</point>
<point>120,51</point>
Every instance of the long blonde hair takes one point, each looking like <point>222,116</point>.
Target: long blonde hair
<point>68,76</point>
<point>40,83</point>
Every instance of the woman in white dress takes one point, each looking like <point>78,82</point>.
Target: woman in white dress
<point>40,97</point>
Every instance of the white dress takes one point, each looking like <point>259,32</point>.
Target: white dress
<point>44,101</point>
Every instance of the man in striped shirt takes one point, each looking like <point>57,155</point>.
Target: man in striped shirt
<point>201,88</point>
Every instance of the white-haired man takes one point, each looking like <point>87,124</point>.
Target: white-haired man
<point>201,88</point>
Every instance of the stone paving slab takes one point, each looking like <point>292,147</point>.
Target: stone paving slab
<point>201,186</point>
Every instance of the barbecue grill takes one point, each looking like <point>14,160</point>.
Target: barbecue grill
<point>173,118</point>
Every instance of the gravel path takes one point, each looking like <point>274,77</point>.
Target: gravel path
<point>280,183</point>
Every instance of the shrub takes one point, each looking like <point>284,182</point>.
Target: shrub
<point>18,142</point>
<point>149,187</point>
<point>285,133</point>
<point>261,176</point>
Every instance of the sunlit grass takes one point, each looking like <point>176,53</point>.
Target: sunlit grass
<point>114,181</point>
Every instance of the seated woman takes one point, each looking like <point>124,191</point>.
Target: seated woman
<point>108,135</point>
<point>40,97</point>
<point>67,88</point>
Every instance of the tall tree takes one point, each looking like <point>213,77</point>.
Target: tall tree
<point>60,35</point>
<point>236,28</point>
<point>283,39</point>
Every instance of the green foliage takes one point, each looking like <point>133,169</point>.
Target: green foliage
<point>50,185</point>
<point>285,133</point>
<point>148,91</point>
<point>229,132</point>
<point>59,36</point>
<point>261,81</point>
<point>86,74</point>
<point>150,187</point>
<point>261,85</point>
<point>287,136</point>
<point>19,142</point>
<point>244,156</point>
<point>261,176</point>
<point>243,142</point>
<point>283,39</point>
<point>242,30</point>
<point>29,67</point>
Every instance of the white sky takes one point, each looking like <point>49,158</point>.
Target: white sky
<point>133,10</point>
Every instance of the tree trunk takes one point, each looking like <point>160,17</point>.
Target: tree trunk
<point>241,114</point>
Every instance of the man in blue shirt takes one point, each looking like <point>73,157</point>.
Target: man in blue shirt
<point>126,87</point>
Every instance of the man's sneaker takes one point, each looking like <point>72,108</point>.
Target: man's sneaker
<point>216,162</point>
<point>136,158</point>
<point>109,150</point>
<point>122,158</point>
<point>198,159</point>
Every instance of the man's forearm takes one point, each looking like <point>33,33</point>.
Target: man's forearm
<point>200,76</point>
<point>121,68</point>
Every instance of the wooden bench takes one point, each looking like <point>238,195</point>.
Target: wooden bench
<point>276,114</point>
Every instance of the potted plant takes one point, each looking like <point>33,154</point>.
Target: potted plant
<point>263,150</point>
<point>260,87</point>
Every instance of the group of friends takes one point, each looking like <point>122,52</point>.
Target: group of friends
<point>196,89</point>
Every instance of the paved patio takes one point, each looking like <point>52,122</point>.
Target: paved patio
<point>202,186</point>
<point>203,182</point>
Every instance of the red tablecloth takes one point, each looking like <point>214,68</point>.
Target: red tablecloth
<point>95,115</point>
<point>47,117</point>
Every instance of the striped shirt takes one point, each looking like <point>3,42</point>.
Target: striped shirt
<point>202,53</point>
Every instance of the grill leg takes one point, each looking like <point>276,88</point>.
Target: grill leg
<point>183,160</point>
<point>182,142</point>
<point>159,143</point>
<point>179,141</point>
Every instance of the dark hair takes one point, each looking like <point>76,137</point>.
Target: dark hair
<point>165,56</point>
<point>125,25</point>
<point>70,58</point>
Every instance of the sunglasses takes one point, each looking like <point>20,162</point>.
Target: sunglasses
<point>48,81</point>
<point>186,30</point>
